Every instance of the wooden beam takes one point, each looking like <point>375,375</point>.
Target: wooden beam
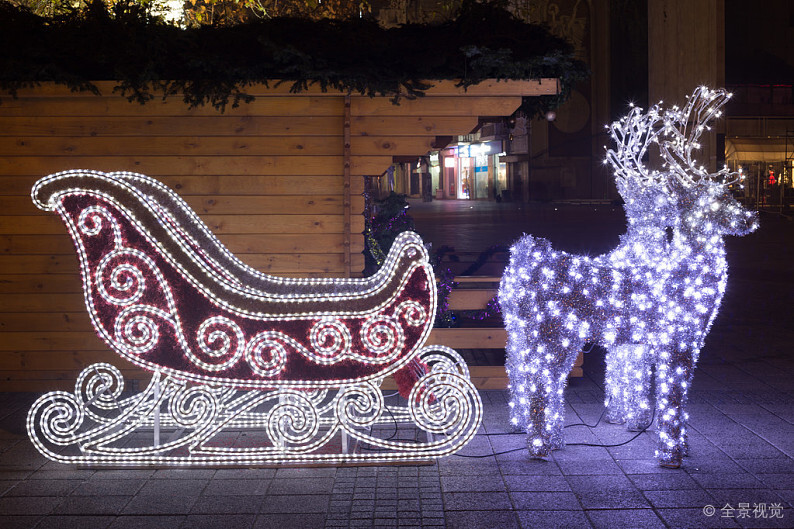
<point>220,125</point>
<point>470,298</point>
<point>209,145</point>
<point>213,185</point>
<point>469,338</point>
<point>437,106</point>
<point>489,87</point>
<point>32,322</point>
<point>113,105</point>
<point>412,126</point>
<point>391,145</point>
<point>17,230</point>
<point>156,166</point>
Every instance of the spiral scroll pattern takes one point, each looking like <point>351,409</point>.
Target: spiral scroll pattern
<point>124,284</point>
<point>266,353</point>
<point>293,420</point>
<point>193,407</point>
<point>440,402</point>
<point>101,384</point>
<point>359,406</point>
<point>136,329</point>
<point>413,312</point>
<point>90,222</point>
<point>441,358</point>
<point>383,336</point>
<point>58,416</point>
<point>220,339</point>
<point>330,340</point>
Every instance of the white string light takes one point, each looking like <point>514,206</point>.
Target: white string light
<point>165,294</point>
<point>650,302</point>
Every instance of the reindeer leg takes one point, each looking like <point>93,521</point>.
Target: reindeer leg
<point>528,407</point>
<point>628,380</point>
<point>540,410</point>
<point>615,382</point>
<point>547,403</point>
<point>555,419</point>
<point>538,406</point>
<point>685,431</point>
<point>516,347</point>
<point>638,387</point>
<point>673,377</point>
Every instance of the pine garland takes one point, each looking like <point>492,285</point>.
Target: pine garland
<point>214,65</point>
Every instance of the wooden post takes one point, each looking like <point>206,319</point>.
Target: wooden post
<point>346,189</point>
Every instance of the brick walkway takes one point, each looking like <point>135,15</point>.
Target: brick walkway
<point>741,438</point>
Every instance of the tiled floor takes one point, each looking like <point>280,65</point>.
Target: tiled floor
<point>740,472</point>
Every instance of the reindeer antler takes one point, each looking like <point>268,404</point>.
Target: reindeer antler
<point>633,134</point>
<point>684,128</point>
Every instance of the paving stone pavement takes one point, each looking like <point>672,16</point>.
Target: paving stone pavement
<point>740,471</point>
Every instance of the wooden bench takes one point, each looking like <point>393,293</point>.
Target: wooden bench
<point>474,293</point>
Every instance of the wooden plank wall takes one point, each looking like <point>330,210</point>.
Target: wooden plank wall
<point>279,180</point>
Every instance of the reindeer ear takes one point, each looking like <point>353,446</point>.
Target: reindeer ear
<point>675,185</point>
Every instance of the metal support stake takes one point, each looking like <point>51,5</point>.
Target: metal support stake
<point>345,437</point>
<point>157,412</point>
<point>281,442</point>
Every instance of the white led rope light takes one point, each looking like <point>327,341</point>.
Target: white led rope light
<point>135,309</point>
<point>299,427</point>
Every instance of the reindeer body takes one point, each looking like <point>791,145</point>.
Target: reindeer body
<point>651,310</point>
<point>553,303</point>
<point>650,302</point>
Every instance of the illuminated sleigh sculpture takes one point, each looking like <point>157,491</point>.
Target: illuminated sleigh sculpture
<point>650,302</point>
<point>248,368</point>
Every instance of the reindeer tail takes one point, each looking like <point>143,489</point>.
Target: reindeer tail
<point>528,244</point>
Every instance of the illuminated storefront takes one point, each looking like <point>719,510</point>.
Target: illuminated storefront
<point>472,171</point>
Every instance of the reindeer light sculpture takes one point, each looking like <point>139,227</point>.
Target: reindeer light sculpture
<point>650,302</point>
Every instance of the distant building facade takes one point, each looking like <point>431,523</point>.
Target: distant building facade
<point>638,52</point>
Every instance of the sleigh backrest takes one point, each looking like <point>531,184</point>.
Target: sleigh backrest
<point>163,217</point>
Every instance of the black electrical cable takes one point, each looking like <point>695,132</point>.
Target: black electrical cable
<point>391,437</point>
<point>653,417</point>
<point>491,455</point>
<point>495,434</point>
<point>589,425</point>
<point>596,445</point>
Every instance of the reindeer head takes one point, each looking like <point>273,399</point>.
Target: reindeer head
<point>704,198</point>
<point>682,193</point>
<point>710,208</point>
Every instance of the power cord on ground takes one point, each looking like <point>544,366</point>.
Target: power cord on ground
<point>596,445</point>
<point>496,434</point>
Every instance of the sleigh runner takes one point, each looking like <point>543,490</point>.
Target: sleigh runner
<point>299,361</point>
